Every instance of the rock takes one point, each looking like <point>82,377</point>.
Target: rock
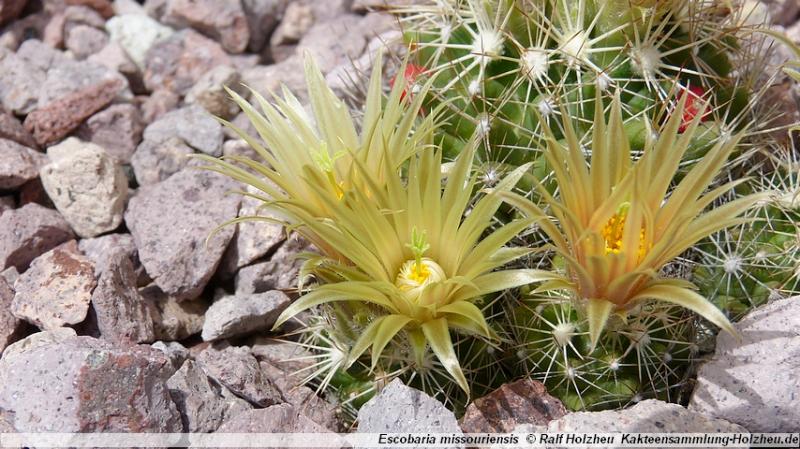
<point>84,41</point>
<point>31,26</point>
<point>118,129</point>
<point>53,121</point>
<point>241,314</point>
<point>12,129</point>
<point>278,273</point>
<point>221,21</point>
<point>18,164</point>
<point>364,6</point>
<point>288,356</point>
<point>253,239</point>
<point>29,231</point>
<point>173,319</point>
<point>155,8</point>
<point>114,57</point>
<point>158,104</point>
<point>10,327</point>
<point>735,381</point>
<point>297,19</point>
<point>239,371</point>
<point>154,162</point>
<point>136,33</point>
<point>282,418</point>
<point>175,351</point>
<point>263,17</point>
<point>42,56</point>
<point>399,409</point>
<point>524,401</point>
<point>20,82</point>
<point>304,399</point>
<point>266,79</point>
<point>40,339</point>
<point>87,385</point>
<point>200,402</point>
<point>125,7</point>
<point>239,146</point>
<point>650,416</point>
<point>783,12</point>
<point>103,7</point>
<point>76,15</point>
<point>210,94</point>
<point>177,62</point>
<point>66,77</point>
<point>56,289</point>
<point>335,42</point>
<point>10,10</point>
<point>104,249</point>
<point>178,258</point>
<point>7,203</point>
<point>193,125</point>
<point>86,185</point>
<point>120,312</point>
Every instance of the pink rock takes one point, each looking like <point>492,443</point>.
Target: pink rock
<point>177,62</point>
<point>18,164</point>
<point>525,401</point>
<point>222,21</point>
<point>10,10</point>
<point>10,326</point>
<point>118,129</point>
<point>87,385</point>
<point>56,289</point>
<point>29,231</point>
<point>53,121</point>
<point>12,129</point>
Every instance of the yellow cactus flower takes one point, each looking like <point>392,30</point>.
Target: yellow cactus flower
<point>617,220</point>
<point>416,259</point>
<point>311,160</point>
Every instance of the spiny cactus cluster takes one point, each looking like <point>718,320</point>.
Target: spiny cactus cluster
<point>503,66</point>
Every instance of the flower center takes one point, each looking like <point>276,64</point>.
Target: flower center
<point>612,233</point>
<point>417,274</point>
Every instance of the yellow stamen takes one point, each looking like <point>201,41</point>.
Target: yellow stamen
<point>612,233</point>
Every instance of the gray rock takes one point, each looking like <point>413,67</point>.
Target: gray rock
<point>29,231</point>
<point>222,21</point>
<point>298,17</point>
<point>288,356</point>
<point>398,409</point>
<point>282,418</point>
<point>302,398</point>
<point>650,416</point>
<point>103,250</point>
<point>20,82</point>
<point>239,371</point>
<point>41,55</point>
<point>253,239</point>
<point>120,312</point>
<point>84,41</point>
<point>334,42</point>
<point>154,162</point>
<point>174,319</point>
<point>210,94</point>
<point>40,339</point>
<point>86,185</point>
<point>87,385</point>
<point>159,103</point>
<point>193,125</point>
<point>269,78</point>
<point>136,33</point>
<point>735,382</point>
<point>18,164</point>
<point>199,402</point>
<point>262,17</point>
<point>10,326</point>
<point>175,351</point>
<point>278,273</point>
<point>177,62</point>
<point>56,289</point>
<point>178,258</point>
<point>117,128</point>
<point>66,77</point>
<point>236,315</point>
<point>114,57</point>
